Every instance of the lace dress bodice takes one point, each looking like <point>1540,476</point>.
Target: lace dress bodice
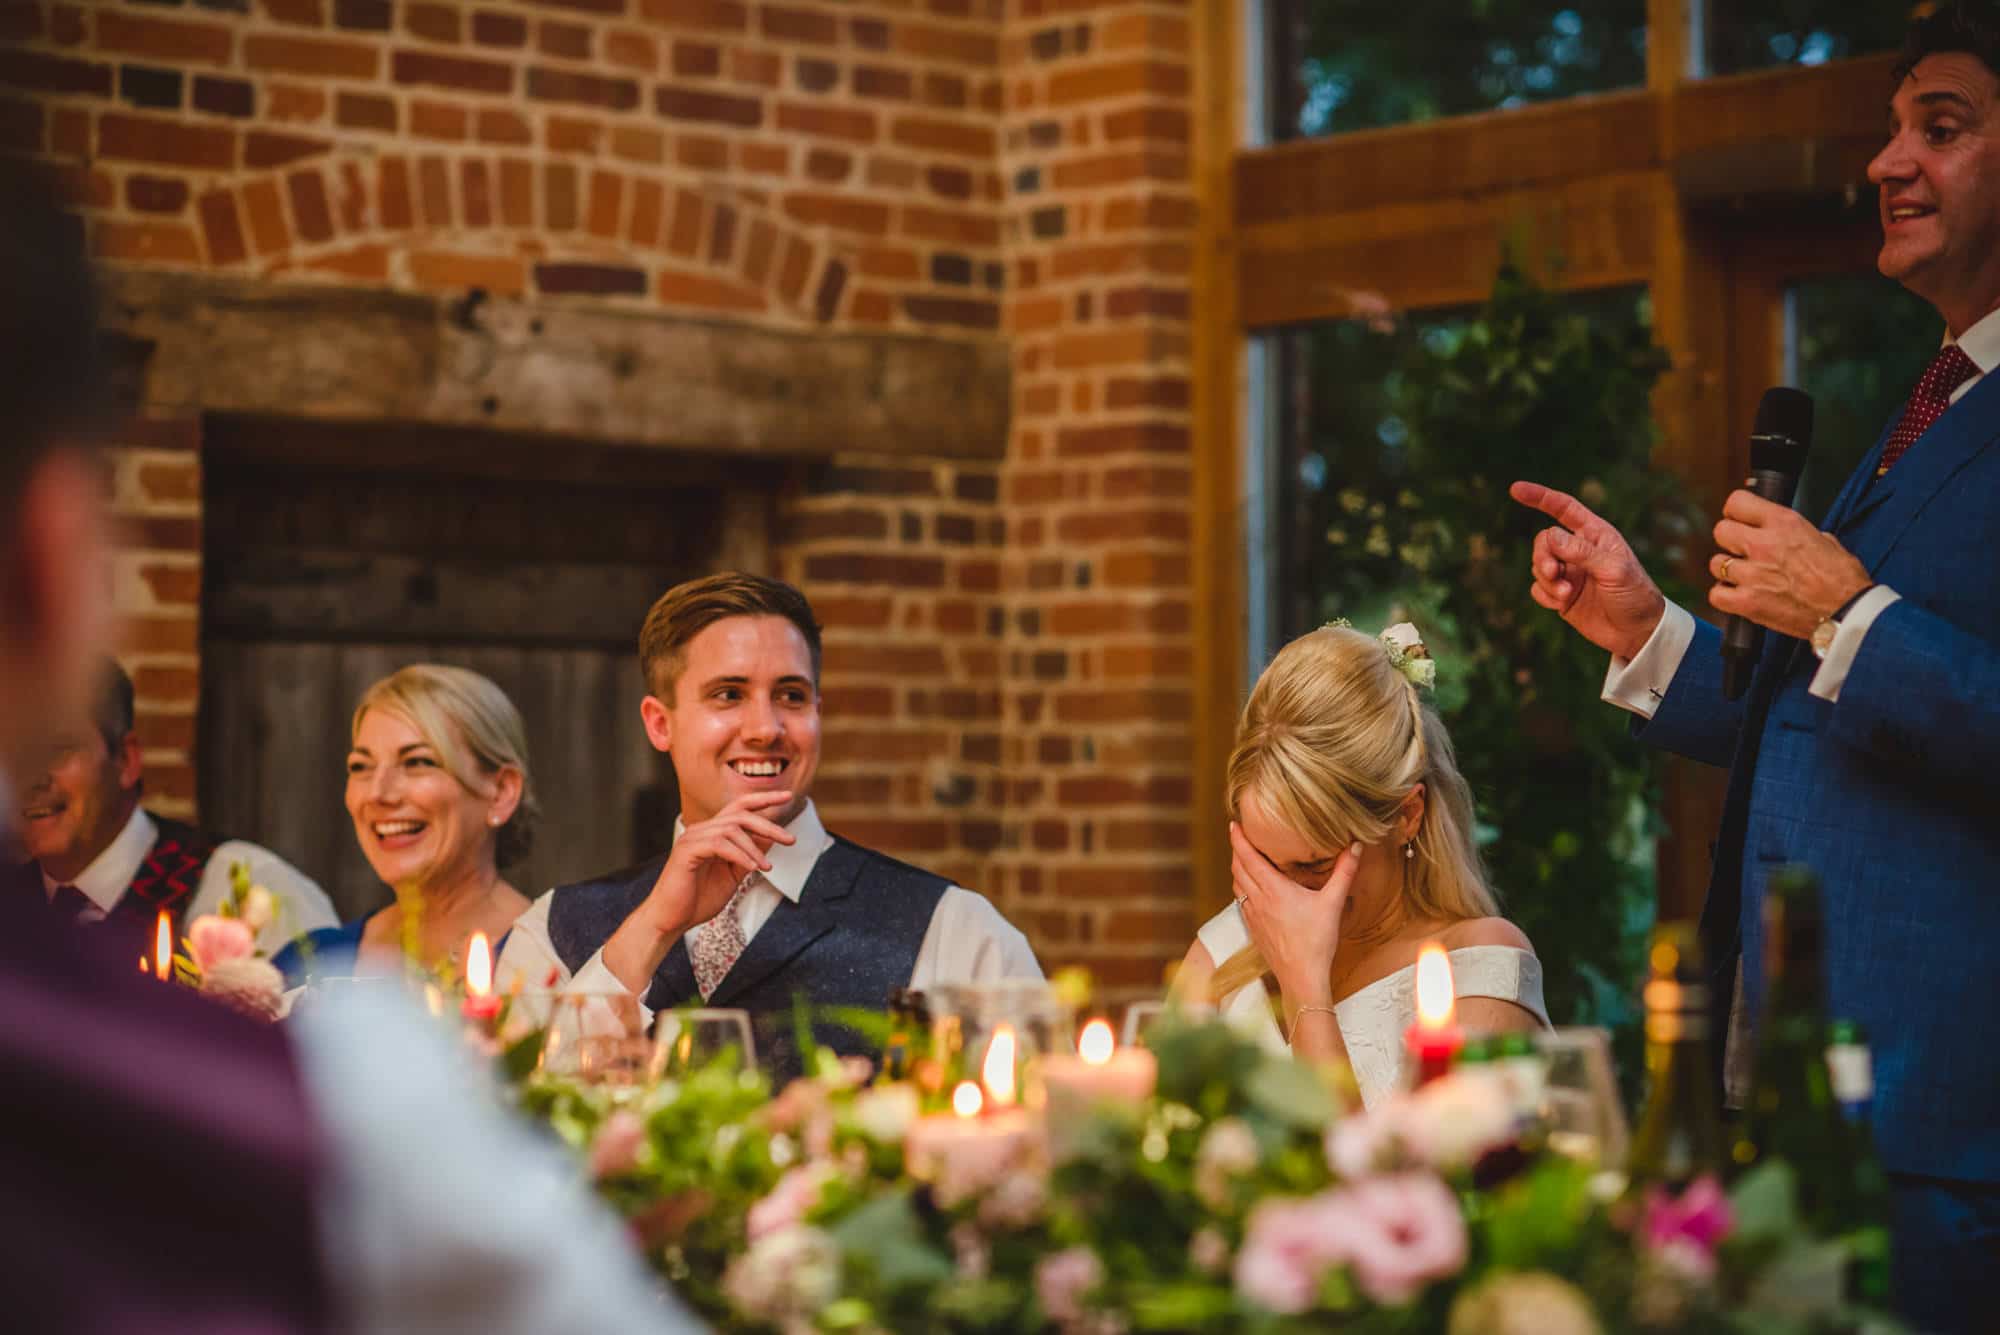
<point>1374,1018</point>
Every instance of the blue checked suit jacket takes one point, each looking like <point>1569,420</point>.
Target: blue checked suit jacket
<point>1888,794</point>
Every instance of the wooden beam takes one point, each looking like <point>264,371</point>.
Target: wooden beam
<point>1219,575</point>
<point>313,351</point>
<point>1577,234</point>
<point>1846,99</point>
<point>1607,134</point>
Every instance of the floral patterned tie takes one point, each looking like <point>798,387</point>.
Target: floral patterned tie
<point>1947,371</point>
<point>720,942</point>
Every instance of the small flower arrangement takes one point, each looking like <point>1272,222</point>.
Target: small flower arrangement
<point>220,958</point>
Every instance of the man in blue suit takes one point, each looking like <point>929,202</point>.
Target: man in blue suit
<point>1866,742</point>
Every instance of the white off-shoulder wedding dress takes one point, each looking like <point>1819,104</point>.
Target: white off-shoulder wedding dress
<point>1373,1020</point>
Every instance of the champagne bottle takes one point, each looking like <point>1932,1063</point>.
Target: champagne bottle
<point>1794,1112</point>
<point>1679,1137</point>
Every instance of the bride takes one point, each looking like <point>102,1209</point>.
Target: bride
<point>1351,842</point>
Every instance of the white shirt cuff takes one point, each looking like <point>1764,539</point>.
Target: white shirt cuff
<point>1639,683</point>
<point>1839,660</point>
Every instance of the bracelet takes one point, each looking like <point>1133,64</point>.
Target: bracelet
<point>1301,1011</point>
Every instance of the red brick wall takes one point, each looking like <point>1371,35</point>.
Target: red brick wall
<point>1008,661</point>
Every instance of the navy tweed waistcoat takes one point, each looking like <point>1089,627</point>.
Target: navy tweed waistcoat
<point>852,938</point>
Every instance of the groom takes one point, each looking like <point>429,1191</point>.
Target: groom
<point>756,903</point>
<point>1868,738</point>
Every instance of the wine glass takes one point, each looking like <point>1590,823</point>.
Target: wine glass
<point>1579,1101</point>
<point>598,1038</point>
<point>1139,1017</point>
<point>696,1037</point>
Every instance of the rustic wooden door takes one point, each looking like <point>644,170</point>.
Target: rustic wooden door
<point>336,555</point>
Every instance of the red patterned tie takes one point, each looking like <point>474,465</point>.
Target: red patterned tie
<point>1947,371</point>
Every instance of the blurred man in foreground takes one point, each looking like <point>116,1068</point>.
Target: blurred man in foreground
<point>166,1165</point>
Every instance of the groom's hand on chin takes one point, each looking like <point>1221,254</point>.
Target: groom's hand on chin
<point>1585,571</point>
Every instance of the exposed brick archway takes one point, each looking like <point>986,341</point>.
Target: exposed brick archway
<point>509,225</point>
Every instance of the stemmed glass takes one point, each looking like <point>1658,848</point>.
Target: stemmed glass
<point>598,1038</point>
<point>1580,1103</point>
<point>697,1037</point>
<point>1139,1017</point>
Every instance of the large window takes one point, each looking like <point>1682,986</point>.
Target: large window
<point>1355,64</point>
<point>1759,34</point>
<point>1403,435</point>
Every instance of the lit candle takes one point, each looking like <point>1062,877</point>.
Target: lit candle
<point>969,1148</point>
<point>997,1073</point>
<point>1101,1072</point>
<point>163,947</point>
<point>480,1004</point>
<point>1434,1040</point>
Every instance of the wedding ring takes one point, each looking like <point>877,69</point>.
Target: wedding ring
<point>1725,568</point>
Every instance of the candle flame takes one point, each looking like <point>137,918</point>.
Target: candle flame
<point>965,1100</point>
<point>145,965</point>
<point>1435,1004</point>
<point>163,947</point>
<point>478,966</point>
<point>1096,1044</point>
<point>998,1072</point>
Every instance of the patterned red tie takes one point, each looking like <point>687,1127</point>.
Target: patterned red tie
<point>1947,371</point>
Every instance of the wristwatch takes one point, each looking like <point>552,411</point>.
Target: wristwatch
<point>1829,626</point>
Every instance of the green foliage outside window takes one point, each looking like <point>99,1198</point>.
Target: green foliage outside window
<point>1355,64</point>
<point>1416,523</point>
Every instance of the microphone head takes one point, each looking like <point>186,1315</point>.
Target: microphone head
<point>1783,432</point>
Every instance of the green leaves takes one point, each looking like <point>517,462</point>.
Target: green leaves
<point>1291,1093</point>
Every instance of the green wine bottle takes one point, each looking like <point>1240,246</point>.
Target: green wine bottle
<point>1794,1112</point>
<point>1679,1137</point>
<point>1850,1070</point>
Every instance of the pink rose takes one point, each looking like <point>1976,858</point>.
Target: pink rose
<point>1700,1217</point>
<point>1413,1233</point>
<point>251,987</point>
<point>797,1192</point>
<point>1288,1247</point>
<point>1062,1280</point>
<point>212,940</point>
<point>614,1150</point>
<point>1395,1233</point>
<point>1357,1144</point>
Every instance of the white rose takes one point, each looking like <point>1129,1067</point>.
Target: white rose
<point>884,1113</point>
<point>1453,1121</point>
<point>259,907</point>
<point>252,986</point>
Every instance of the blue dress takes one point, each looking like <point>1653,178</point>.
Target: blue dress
<point>330,951</point>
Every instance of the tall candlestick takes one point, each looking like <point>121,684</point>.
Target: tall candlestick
<point>1434,1040</point>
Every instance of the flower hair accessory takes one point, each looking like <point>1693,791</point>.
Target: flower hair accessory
<point>1409,657</point>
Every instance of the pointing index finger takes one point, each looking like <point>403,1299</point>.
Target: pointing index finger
<point>1560,506</point>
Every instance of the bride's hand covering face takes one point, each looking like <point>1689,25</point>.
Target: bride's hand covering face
<point>1294,916</point>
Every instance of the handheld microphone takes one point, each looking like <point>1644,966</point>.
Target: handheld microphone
<point>1778,445</point>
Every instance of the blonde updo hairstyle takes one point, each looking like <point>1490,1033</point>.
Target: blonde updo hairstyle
<point>475,730</point>
<point>1332,742</point>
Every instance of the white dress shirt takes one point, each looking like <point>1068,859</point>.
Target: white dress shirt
<point>302,906</point>
<point>968,941</point>
<point>1638,684</point>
